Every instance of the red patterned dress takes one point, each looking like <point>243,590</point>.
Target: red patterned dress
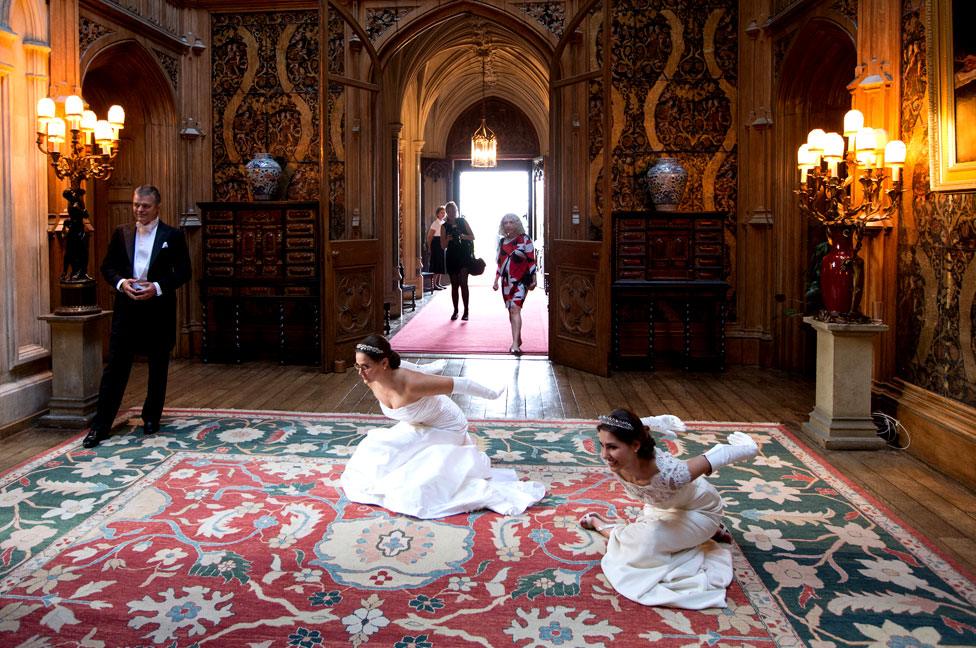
<point>516,268</point>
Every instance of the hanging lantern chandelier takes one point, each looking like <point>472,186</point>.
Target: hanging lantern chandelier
<point>484,146</point>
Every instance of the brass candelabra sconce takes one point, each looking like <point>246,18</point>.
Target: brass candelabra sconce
<point>80,147</point>
<point>828,194</point>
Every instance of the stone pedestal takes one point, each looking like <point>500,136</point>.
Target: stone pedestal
<point>76,365</point>
<point>842,419</point>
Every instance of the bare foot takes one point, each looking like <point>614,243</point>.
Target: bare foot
<point>593,522</point>
<point>722,535</point>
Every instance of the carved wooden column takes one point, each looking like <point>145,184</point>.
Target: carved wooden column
<point>418,221</point>
<point>65,78</point>
<point>396,226</point>
<point>196,115</point>
<point>749,339</point>
<point>876,92</point>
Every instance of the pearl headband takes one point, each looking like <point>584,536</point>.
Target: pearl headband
<point>365,348</point>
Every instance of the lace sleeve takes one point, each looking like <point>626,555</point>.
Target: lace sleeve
<point>674,473</point>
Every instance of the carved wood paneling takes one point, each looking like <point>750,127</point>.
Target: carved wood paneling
<point>89,31</point>
<point>355,302</point>
<point>551,15</point>
<point>379,20</point>
<point>576,306</point>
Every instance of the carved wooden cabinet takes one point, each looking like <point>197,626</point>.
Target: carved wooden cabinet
<point>261,283</point>
<point>668,289</point>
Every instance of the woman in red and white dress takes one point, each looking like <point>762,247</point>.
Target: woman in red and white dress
<point>516,272</point>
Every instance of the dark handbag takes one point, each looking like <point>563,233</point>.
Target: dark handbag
<point>476,267</point>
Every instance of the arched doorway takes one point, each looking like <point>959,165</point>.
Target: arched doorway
<point>125,73</point>
<point>812,93</point>
<point>433,83</point>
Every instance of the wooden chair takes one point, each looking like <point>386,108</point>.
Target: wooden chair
<point>410,290</point>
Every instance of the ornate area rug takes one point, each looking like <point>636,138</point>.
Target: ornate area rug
<point>228,529</point>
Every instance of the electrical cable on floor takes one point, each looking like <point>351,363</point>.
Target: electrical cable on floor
<point>889,428</point>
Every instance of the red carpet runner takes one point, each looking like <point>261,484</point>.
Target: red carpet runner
<point>487,331</point>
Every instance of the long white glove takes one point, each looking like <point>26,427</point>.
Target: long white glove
<point>472,388</point>
<point>664,423</point>
<point>740,446</point>
<point>436,366</point>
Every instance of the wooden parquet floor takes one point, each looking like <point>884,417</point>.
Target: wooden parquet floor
<point>922,497</point>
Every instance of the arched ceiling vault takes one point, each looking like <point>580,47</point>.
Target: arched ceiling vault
<point>439,70</point>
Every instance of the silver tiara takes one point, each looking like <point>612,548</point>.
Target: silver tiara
<point>615,422</point>
<point>365,348</point>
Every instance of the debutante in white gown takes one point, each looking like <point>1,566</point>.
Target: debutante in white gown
<point>428,466</point>
<point>667,557</point>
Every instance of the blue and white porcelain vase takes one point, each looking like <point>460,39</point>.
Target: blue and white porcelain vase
<point>263,174</point>
<point>666,183</point>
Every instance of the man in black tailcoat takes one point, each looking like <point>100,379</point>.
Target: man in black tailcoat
<point>147,261</point>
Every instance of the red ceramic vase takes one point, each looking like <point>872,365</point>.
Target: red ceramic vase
<point>837,271</point>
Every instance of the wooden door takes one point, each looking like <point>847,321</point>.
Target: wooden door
<point>353,267</point>
<point>577,243</point>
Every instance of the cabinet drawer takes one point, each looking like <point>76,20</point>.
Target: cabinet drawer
<point>299,229</point>
<point>708,273</point>
<point>293,215</point>
<point>633,237</point>
<point>220,229</point>
<point>709,236</point>
<point>220,258</point>
<point>669,223</point>
<point>220,271</point>
<point>708,249</point>
<point>708,223</point>
<point>257,291</point>
<point>300,257</point>
<point>300,271</point>
<point>624,224</point>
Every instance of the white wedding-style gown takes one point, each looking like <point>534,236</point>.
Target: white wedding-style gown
<point>428,466</point>
<point>666,556</point>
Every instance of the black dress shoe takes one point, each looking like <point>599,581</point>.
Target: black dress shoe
<point>149,428</point>
<point>93,438</point>
<point>465,316</point>
<point>454,316</point>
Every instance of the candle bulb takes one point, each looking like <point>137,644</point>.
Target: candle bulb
<point>853,122</point>
<point>895,153</point>
<point>104,136</point>
<point>45,113</point>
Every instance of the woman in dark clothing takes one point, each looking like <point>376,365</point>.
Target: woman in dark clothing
<point>460,251</point>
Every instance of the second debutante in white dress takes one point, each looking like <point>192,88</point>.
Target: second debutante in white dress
<point>669,555</point>
<point>426,465</point>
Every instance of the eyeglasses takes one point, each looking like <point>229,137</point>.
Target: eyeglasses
<point>361,367</point>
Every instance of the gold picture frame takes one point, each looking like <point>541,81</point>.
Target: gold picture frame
<point>952,95</point>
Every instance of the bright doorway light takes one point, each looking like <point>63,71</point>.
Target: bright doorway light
<point>486,196</point>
